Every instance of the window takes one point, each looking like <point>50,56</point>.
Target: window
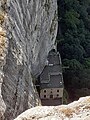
<point>51,96</point>
<point>57,90</point>
<point>57,95</point>
<point>44,96</point>
<point>45,91</point>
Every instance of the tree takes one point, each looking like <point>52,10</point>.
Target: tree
<point>74,38</point>
<point>73,64</point>
<point>71,19</point>
<point>87,63</point>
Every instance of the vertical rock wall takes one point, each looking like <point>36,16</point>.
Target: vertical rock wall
<point>3,52</point>
<point>27,33</point>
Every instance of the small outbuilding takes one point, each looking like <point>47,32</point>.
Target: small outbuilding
<point>51,81</point>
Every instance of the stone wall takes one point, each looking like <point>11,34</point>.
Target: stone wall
<point>56,92</point>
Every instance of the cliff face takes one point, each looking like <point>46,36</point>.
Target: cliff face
<point>78,110</point>
<point>27,33</point>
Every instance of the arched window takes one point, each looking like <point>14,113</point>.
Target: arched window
<point>44,91</point>
<point>57,95</point>
<point>57,90</point>
<point>44,96</point>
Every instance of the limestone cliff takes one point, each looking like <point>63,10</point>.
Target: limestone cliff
<point>78,110</point>
<point>27,33</point>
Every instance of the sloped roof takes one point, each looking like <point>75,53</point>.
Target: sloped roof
<point>55,81</point>
<point>54,58</point>
<point>51,77</point>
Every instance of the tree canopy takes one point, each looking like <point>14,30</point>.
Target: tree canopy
<point>74,35</point>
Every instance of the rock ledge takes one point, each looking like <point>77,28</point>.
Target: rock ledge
<point>78,110</point>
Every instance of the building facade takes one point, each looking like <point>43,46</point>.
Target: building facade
<point>51,81</point>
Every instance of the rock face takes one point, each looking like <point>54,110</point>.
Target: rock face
<point>27,33</point>
<point>78,110</point>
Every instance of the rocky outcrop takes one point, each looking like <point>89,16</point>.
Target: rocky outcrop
<point>27,33</point>
<point>78,110</point>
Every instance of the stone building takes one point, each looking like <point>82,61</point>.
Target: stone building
<point>51,81</point>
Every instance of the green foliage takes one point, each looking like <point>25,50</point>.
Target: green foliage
<point>74,39</point>
<point>72,51</point>
<point>87,63</point>
<point>73,64</point>
<point>65,97</point>
<point>71,19</point>
<point>69,4</point>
